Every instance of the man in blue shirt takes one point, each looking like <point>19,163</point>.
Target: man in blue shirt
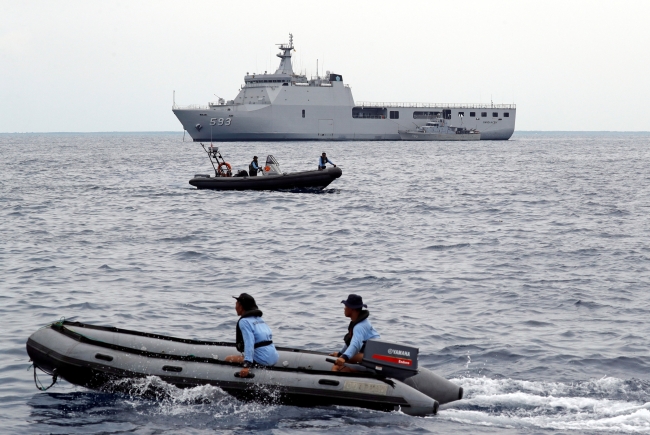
<point>254,338</point>
<point>254,167</point>
<point>323,160</point>
<point>359,331</point>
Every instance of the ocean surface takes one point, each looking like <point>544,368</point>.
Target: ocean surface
<point>519,268</point>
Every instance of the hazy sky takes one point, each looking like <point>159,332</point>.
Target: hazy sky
<point>112,65</point>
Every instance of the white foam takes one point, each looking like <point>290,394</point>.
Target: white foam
<point>592,406</point>
<point>171,400</point>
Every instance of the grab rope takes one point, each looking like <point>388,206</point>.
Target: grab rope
<point>40,386</point>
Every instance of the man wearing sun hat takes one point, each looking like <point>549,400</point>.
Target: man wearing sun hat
<point>359,331</point>
<point>254,338</point>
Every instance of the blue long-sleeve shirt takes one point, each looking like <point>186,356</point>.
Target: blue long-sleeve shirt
<point>255,330</point>
<point>362,332</point>
<point>254,165</point>
<point>322,162</point>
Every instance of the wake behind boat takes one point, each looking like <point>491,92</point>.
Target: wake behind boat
<point>100,357</point>
<point>272,177</point>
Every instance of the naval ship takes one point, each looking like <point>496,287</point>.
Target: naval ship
<point>289,106</point>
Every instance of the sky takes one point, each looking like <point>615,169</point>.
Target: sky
<point>87,66</point>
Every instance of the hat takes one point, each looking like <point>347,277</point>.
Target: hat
<point>355,302</point>
<point>247,301</point>
<point>254,157</point>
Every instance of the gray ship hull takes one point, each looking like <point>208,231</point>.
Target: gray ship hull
<point>284,123</point>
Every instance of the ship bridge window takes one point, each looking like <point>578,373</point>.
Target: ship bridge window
<point>483,114</point>
<point>506,114</point>
<point>425,115</point>
<point>394,114</point>
<point>369,112</point>
<point>461,114</point>
<point>285,84</point>
<point>472,113</point>
<point>303,113</point>
<point>495,114</point>
<point>446,113</point>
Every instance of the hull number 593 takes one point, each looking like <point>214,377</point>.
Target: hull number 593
<point>220,121</point>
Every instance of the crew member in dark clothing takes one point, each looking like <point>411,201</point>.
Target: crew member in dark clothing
<point>323,160</point>
<point>254,167</point>
<point>359,331</point>
<point>254,338</point>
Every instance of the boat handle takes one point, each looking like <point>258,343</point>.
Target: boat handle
<point>103,357</point>
<point>250,376</point>
<point>330,360</point>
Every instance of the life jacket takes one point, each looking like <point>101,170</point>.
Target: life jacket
<point>239,337</point>
<point>251,168</point>
<point>322,162</point>
<point>348,337</point>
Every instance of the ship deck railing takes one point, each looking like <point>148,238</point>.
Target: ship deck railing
<point>191,107</point>
<point>435,105</point>
<point>383,105</point>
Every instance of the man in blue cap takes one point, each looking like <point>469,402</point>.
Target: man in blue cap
<point>254,338</point>
<point>359,331</point>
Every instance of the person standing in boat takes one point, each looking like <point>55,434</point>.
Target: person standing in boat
<point>324,160</point>
<point>254,167</point>
<point>254,338</point>
<point>359,331</point>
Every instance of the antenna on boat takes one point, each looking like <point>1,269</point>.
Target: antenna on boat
<point>174,98</point>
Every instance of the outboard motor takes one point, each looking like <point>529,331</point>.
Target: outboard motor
<point>272,166</point>
<point>389,359</point>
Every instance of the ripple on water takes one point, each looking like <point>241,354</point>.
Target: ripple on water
<point>518,268</point>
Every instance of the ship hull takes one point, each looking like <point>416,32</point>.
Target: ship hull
<point>327,124</point>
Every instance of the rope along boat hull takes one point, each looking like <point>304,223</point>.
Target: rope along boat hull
<point>96,357</point>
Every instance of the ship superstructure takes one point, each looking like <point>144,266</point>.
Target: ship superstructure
<point>289,106</point>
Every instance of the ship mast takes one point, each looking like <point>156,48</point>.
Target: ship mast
<point>285,54</point>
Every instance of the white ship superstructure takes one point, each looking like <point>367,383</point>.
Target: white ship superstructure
<point>288,106</point>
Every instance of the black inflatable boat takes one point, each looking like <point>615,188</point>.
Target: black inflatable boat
<point>96,357</point>
<point>272,177</point>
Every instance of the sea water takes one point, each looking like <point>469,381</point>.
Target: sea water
<point>519,268</point>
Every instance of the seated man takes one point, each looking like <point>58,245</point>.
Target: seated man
<point>324,160</point>
<point>359,331</point>
<point>254,338</point>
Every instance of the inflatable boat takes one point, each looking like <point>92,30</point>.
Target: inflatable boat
<point>96,356</point>
<point>271,178</point>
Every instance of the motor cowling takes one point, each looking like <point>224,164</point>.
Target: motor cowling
<point>391,359</point>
